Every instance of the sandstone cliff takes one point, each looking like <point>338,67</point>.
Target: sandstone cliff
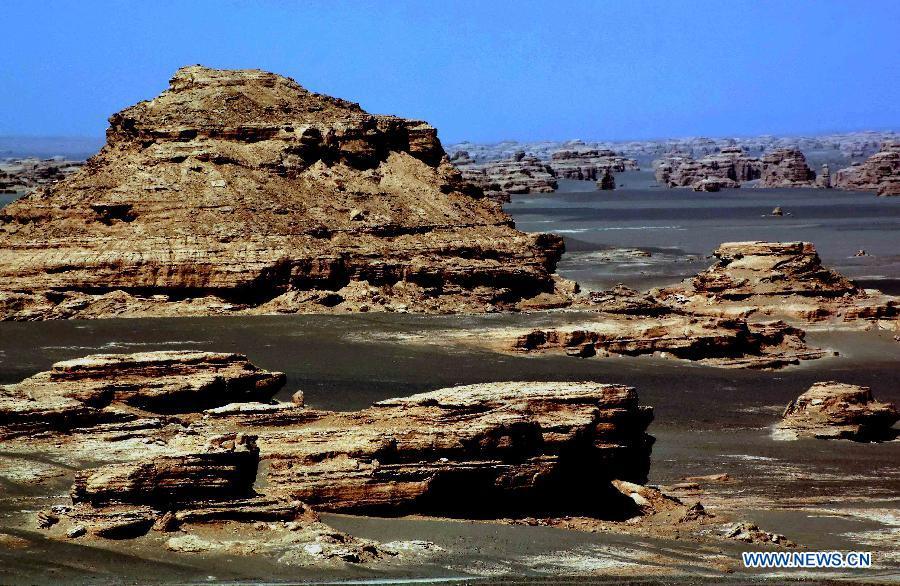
<point>242,191</point>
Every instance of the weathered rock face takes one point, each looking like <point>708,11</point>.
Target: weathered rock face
<point>224,470</point>
<point>109,387</point>
<point>589,164</point>
<point>500,179</point>
<point>776,278</point>
<point>242,191</point>
<point>786,168</point>
<point>713,185</point>
<point>479,448</point>
<point>731,163</point>
<point>831,410</point>
<point>716,341</point>
<point>879,173</point>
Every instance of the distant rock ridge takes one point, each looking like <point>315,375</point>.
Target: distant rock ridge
<point>501,179</point>
<point>879,173</point>
<point>240,191</point>
<point>589,164</point>
<point>731,166</point>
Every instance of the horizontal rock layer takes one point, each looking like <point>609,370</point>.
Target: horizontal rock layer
<point>236,188</point>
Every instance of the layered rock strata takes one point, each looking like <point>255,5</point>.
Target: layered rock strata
<point>473,450</point>
<point>786,168</point>
<point>879,173</point>
<point>501,179</point>
<point>832,410</point>
<point>731,166</point>
<point>731,163</point>
<point>715,341</point>
<point>108,388</point>
<point>240,191</point>
<point>589,164</point>
<point>783,279</point>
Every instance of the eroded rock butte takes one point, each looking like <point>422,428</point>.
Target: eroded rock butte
<point>240,191</point>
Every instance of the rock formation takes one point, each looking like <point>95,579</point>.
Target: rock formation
<point>879,173</point>
<point>731,163</point>
<point>478,449</point>
<point>109,387</point>
<point>732,166</point>
<point>607,181</point>
<point>831,410</point>
<point>589,164</point>
<point>714,184</point>
<point>20,175</point>
<point>500,179</point>
<point>784,279</point>
<point>240,191</point>
<point>823,180</point>
<point>786,168</point>
<point>716,341</point>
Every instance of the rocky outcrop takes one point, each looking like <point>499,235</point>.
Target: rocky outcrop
<point>478,449</point>
<point>832,410</point>
<point>501,179</point>
<point>785,279</point>
<point>786,168</point>
<point>731,166</point>
<point>240,191</point>
<point>879,173</point>
<point>607,181</point>
<point>731,163</point>
<point>226,469</point>
<point>107,388</point>
<point>723,342</point>
<point>474,450</point>
<point>713,185</point>
<point>589,164</point>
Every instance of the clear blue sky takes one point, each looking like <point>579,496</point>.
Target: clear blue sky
<point>482,70</point>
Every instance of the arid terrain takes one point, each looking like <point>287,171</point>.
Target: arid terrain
<point>264,335</point>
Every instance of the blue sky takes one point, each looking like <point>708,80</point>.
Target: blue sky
<point>484,71</point>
